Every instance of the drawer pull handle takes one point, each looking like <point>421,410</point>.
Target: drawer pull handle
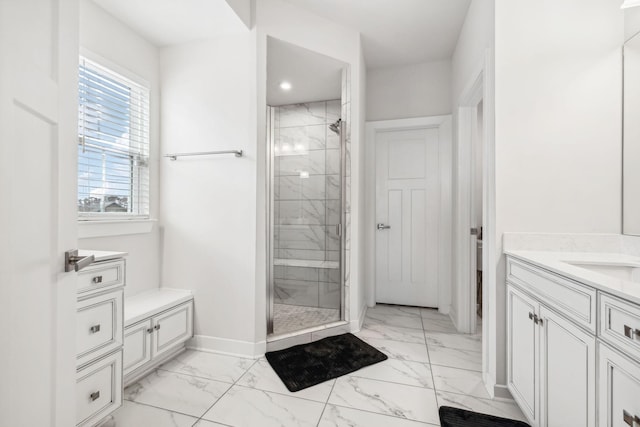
<point>629,332</point>
<point>157,327</point>
<point>97,279</point>
<point>630,419</point>
<point>94,396</point>
<point>94,329</point>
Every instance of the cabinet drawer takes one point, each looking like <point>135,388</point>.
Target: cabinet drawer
<point>620,324</point>
<point>137,346</point>
<point>619,388</point>
<point>98,389</point>
<point>173,327</point>
<point>101,275</point>
<point>573,300</point>
<point>98,326</point>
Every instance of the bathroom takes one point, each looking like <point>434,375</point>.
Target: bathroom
<point>547,77</point>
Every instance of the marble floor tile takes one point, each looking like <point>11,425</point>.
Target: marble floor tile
<point>393,318</point>
<point>398,371</point>
<point>339,416</point>
<point>205,423</point>
<point>439,324</point>
<point>432,313</point>
<point>398,400</point>
<point>395,333</point>
<point>248,407</point>
<point>400,350</point>
<point>401,310</point>
<point>461,341</point>
<point>429,365</point>
<point>262,377</point>
<point>176,392</point>
<point>455,357</point>
<point>209,365</point>
<point>498,408</point>
<point>459,381</point>
<point>135,415</point>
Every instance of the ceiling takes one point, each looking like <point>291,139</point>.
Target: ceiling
<point>171,22</point>
<point>397,32</point>
<point>313,77</point>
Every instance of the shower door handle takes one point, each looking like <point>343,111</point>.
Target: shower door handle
<point>383,226</point>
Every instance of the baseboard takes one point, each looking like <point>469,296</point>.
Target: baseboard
<point>231,347</point>
<point>489,384</point>
<point>453,316</point>
<point>502,392</point>
<point>445,309</point>
<point>356,324</point>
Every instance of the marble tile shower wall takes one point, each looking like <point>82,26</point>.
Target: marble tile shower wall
<point>307,203</point>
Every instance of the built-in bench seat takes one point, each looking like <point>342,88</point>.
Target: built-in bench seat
<point>157,325</point>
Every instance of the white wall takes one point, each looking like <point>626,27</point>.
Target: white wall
<point>558,116</point>
<point>103,35</point>
<point>209,203</point>
<point>475,40</point>
<point>631,22</point>
<point>213,208</point>
<point>409,91</point>
<point>476,35</point>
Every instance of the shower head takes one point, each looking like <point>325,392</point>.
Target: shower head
<point>335,127</point>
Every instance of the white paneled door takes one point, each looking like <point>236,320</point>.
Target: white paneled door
<point>38,145</point>
<point>407,216</point>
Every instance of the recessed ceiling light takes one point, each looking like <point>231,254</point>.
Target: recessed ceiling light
<point>285,85</point>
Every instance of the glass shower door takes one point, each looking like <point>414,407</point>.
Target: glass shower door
<point>306,199</point>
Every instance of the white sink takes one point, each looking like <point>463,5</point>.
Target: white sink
<point>617,270</point>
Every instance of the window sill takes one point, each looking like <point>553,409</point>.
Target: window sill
<point>109,228</point>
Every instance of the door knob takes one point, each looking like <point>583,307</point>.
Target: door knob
<point>383,226</point>
<point>74,262</point>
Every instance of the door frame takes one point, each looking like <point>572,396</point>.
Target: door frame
<point>444,126</point>
<point>480,88</point>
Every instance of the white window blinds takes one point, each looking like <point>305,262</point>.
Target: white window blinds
<point>113,149</point>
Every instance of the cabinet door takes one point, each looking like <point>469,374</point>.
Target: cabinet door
<point>172,328</point>
<point>137,346</point>
<point>522,352</point>
<point>568,373</point>
<point>619,389</point>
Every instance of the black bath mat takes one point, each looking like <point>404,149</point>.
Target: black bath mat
<point>306,365</point>
<point>454,417</point>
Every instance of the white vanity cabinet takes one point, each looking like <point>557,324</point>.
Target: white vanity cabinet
<point>551,359</point>
<point>619,389</point>
<point>157,325</point>
<point>99,338</point>
<point>523,347</point>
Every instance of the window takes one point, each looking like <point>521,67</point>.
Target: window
<point>113,146</point>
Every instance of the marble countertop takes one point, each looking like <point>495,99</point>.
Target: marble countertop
<point>561,263</point>
<point>102,255</point>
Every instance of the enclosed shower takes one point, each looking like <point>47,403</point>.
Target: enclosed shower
<point>308,140</point>
<point>307,215</point>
